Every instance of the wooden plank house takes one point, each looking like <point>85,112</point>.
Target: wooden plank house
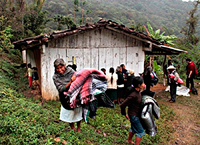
<point>103,44</point>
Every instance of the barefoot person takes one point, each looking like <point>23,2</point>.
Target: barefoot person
<point>133,101</point>
<point>63,77</point>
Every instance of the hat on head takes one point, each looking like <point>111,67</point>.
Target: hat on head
<point>171,67</point>
<point>131,71</point>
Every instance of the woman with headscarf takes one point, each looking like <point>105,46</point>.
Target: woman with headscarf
<point>63,77</point>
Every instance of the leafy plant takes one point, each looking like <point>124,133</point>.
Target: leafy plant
<point>160,37</point>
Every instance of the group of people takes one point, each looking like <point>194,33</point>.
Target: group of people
<point>121,83</point>
<point>118,81</point>
<point>123,87</point>
<point>173,78</point>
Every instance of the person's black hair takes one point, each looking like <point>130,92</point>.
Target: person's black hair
<point>111,71</point>
<point>69,65</point>
<point>188,59</point>
<point>147,70</point>
<point>122,65</point>
<point>74,67</point>
<point>103,69</point>
<point>29,65</point>
<point>137,81</point>
<point>169,61</point>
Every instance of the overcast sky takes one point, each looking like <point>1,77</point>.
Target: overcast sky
<point>187,0</point>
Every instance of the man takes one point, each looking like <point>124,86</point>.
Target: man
<point>191,72</point>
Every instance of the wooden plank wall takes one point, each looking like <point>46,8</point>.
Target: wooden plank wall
<point>93,49</point>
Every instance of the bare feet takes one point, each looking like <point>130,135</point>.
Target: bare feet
<point>129,142</point>
<point>78,130</point>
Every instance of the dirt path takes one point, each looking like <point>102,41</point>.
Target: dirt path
<point>187,118</point>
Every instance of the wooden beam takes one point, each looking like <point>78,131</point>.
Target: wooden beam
<point>164,70</point>
<point>135,37</point>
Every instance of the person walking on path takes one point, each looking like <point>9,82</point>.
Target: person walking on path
<point>112,85</point>
<point>173,77</point>
<point>191,72</point>
<point>133,101</point>
<point>63,77</point>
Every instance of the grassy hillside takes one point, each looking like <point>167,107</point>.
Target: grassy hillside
<point>160,13</point>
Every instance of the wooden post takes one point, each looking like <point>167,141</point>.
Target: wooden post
<point>164,71</point>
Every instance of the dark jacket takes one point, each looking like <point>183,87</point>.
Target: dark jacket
<point>60,81</point>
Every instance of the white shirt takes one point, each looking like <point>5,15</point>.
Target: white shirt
<point>114,83</point>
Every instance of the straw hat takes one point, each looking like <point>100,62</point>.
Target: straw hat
<point>171,67</point>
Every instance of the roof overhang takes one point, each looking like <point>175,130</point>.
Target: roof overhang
<point>164,50</point>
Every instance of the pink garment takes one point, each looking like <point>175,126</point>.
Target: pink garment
<point>30,81</point>
<point>83,85</point>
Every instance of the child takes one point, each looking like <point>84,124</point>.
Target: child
<point>133,101</point>
<point>30,73</point>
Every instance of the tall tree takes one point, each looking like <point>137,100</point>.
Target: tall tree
<point>190,30</point>
<point>76,8</point>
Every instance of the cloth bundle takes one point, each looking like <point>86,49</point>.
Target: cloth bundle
<point>82,90</point>
<point>82,86</point>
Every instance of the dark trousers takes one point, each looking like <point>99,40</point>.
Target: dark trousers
<point>173,87</point>
<point>190,80</point>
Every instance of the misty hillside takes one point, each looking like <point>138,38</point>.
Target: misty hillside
<point>170,14</point>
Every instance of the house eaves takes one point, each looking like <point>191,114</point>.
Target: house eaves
<point>153,46</point>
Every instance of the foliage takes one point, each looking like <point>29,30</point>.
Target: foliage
<point>24,121</point>
<point>157,68</point>
<point>160,37</point>
<point>34,22</point>
<point>63,20</point>
<point>161,14</point>
<point>190,30</point>
<point>5,42</point>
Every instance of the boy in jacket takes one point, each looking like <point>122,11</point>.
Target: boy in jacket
<point>133,101</point>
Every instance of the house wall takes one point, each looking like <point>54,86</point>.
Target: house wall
<point>92,49</point>
<point>30,57</point>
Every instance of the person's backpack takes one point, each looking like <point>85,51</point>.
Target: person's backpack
<point>154,78</point>
<point>194,91</point>
<point>35,74</point>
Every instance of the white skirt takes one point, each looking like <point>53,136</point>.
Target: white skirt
<point>71,115</point>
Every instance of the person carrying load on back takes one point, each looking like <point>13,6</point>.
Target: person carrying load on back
<point>173,78</point>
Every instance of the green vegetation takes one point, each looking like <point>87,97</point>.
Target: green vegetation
<point>25,121</point>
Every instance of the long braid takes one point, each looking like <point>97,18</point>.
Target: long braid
<point>111,71</point>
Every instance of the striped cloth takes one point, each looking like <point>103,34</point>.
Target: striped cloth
<point>84,86</point>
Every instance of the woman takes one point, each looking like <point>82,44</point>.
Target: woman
<point>112,85</point>
<point>147,77</point>
<point>120,84</point>
<point>63,77</point>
